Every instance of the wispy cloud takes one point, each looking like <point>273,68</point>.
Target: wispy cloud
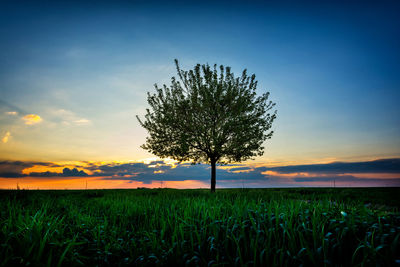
<point>31,119</point>
<point>6,137</point>
<point>82,122</point>
<point>11,108</point>
<point>71,118</point>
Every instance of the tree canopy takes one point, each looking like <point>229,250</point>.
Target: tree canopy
<point>208,116</point>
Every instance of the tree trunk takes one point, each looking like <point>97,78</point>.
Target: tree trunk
<point>213,176</point>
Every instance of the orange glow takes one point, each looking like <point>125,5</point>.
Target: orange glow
<point>6,137</point>
<point>40,168</point>
<point>92,183</point>
<point>283,163</point>
<point>374,175</point>
<point>31,119</point>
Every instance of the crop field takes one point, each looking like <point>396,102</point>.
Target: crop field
<point>234,227</point>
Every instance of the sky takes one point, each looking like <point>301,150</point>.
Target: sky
<point>73,76</point>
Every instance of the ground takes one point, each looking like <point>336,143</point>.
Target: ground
<point>302,226</point>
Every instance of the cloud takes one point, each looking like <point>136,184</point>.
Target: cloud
<point>6,137</point>
<point>122,170</point>
<point>13,108</point>
<point>13,169</point>
<point>67,172</point>
<point>70,118</point>
<point>31,119</point>
<point>375,166</point>
<point>348,180</point>
<point>382,172</point>
<point>82,122</point>
<point>13,113</point>
<point>375,173</point>
<point>73,172</point>
<point>159,171</point>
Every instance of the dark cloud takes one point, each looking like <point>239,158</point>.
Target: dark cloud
<point>160,162</point>
<point>23,164</point>
<point>13,169</point>
<point>66,173</point>
<point>376,166</point>
<point>11,175</point>
<point>142,172</point>
<point>121,169</point>
<point>200,172</point>
<point>28,164</point>
<point>44,174</point>
<point>73,172</point>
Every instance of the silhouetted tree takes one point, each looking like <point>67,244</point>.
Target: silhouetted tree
<point>208,116</point>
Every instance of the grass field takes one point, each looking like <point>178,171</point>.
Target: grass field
<point>253,227</point>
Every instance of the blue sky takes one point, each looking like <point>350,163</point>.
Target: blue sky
<point>84,68</point>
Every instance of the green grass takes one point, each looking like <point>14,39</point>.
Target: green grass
<point>253,227</point>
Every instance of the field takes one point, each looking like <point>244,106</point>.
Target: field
<point>253,227</point>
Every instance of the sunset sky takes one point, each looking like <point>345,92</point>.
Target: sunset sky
<point>74,75</point>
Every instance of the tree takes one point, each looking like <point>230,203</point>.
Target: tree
<point>208,116</point>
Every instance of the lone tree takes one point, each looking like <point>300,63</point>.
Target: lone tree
<point>208,116</point>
